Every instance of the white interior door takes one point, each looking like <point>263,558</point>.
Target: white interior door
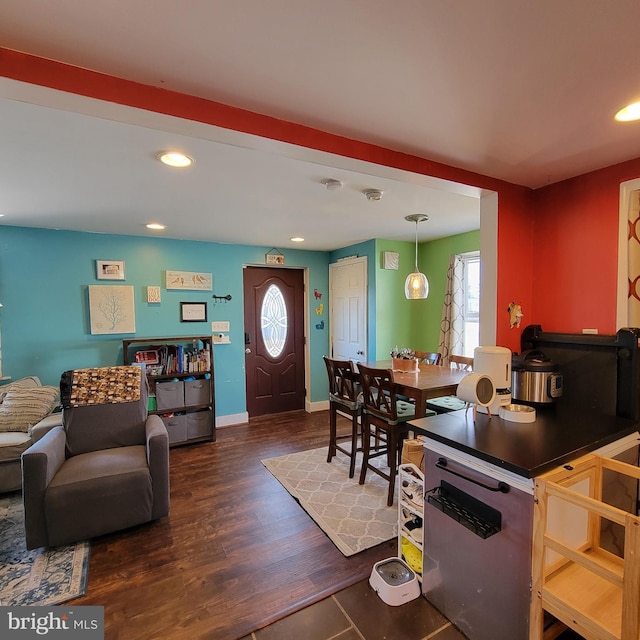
<point>348,309</point>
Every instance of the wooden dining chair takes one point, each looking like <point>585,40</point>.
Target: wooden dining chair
<point>344,397</point>
<point>463,363</point>
<point>446,404</point>
<point>428,357</point>
<point>384,419</point>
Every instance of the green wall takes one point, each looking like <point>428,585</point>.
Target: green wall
<point>414,323</point>
<point>434,259</point>
<point>394,320</point>
<point>395,314</point>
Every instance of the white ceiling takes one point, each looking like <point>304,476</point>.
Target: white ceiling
<point>519,90</point>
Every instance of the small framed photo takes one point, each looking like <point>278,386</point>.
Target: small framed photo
<point>153,294</point>
<point>274,257</point>
<point>193,312</point>
<point>110,269</point>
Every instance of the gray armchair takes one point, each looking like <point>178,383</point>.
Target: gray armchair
<point>105,469</point>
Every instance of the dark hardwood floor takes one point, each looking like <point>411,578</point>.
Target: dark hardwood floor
<point>236,552</point>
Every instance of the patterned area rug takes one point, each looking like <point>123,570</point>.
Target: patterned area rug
<point>355,517</point>
<point>38,577</point>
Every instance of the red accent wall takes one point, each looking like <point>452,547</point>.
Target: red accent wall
<point>514,202</point>
<point>575,256</point>
<point>515,257</point>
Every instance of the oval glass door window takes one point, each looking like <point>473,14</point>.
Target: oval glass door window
<point>274,321</point>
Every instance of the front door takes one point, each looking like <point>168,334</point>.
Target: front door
<point>274,339</point>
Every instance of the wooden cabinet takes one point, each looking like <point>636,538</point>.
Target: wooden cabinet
<point>180,372</point>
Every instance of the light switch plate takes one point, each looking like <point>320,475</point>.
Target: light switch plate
<point>219,326</point>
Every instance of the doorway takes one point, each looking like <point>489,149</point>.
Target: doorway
<point>628,308</point>
<point>348,309</point>
<point>274,339</point>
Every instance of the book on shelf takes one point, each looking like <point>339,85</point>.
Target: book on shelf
<point>174,359</point>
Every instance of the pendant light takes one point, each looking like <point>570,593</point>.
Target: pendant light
<point>416,286</point>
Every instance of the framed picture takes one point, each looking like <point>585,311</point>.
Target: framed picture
<point>189,280</point>
<point>110,269</point>
<point>274,257</point>
<point>153,294</point>
<point>111,309</point>
<point>193,312</point>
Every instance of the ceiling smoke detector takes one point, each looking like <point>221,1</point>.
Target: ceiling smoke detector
<point>332,184</point>
<point>373,194</point>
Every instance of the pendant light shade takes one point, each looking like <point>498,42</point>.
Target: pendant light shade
<point>416,286</point>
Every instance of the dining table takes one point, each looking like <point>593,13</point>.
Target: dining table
<point>429,381</point>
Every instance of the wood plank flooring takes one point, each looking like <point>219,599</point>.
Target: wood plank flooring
<point>236,552</point>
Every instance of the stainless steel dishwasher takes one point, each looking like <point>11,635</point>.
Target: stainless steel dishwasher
<point>477,544</point>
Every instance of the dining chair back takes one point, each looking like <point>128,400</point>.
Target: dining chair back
<point>428,357</point>
<point>344,397</point>
<point>384,419</point>
<point>463,363</point>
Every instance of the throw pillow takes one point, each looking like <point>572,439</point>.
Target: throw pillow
<point>29,381</point>
<point>23,407</point>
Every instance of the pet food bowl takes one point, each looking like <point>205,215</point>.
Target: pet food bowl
<point>394,581</point>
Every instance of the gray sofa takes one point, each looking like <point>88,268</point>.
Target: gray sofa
<point>105,469</point>
<point>25,416</point>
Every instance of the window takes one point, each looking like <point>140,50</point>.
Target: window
<point>471,306</point>
<point>274,321</point>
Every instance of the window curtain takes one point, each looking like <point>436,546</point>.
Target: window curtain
<point>633,261</point>
<point>452,325</point>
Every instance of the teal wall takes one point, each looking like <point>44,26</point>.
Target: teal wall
<point>44,275</point>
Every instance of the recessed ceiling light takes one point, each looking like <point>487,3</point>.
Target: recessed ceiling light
<point>332,184</point>
<point>373,194</point>
<point>156,226</point>
<point>175,159</point>
<point>629,113</point>
<point>296,239</point>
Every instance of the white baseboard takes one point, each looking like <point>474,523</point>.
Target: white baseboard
<point>243,418</point>
<point>231,419</point>
<point>310,407</point>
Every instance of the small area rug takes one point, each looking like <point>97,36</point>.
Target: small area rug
<point>41,576</point>
<point>354,517</point>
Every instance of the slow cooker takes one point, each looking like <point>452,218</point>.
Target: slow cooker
<point>535,378</point>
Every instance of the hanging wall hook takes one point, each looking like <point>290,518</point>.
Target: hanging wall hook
<point>226,298</point>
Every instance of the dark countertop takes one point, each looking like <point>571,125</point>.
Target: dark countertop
<point>560,433</point>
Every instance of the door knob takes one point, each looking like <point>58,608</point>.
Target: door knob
<point>247,350</point>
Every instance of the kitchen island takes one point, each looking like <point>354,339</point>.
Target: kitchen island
<point>478,511</point>
<point>560,433</point>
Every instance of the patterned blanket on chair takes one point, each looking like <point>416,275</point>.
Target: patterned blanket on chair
<point>101,385</point>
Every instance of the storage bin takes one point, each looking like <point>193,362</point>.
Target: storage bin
<point>176,425</point>
<point>197,392</point>
<point>199,424</point>
<point>169,395</point>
